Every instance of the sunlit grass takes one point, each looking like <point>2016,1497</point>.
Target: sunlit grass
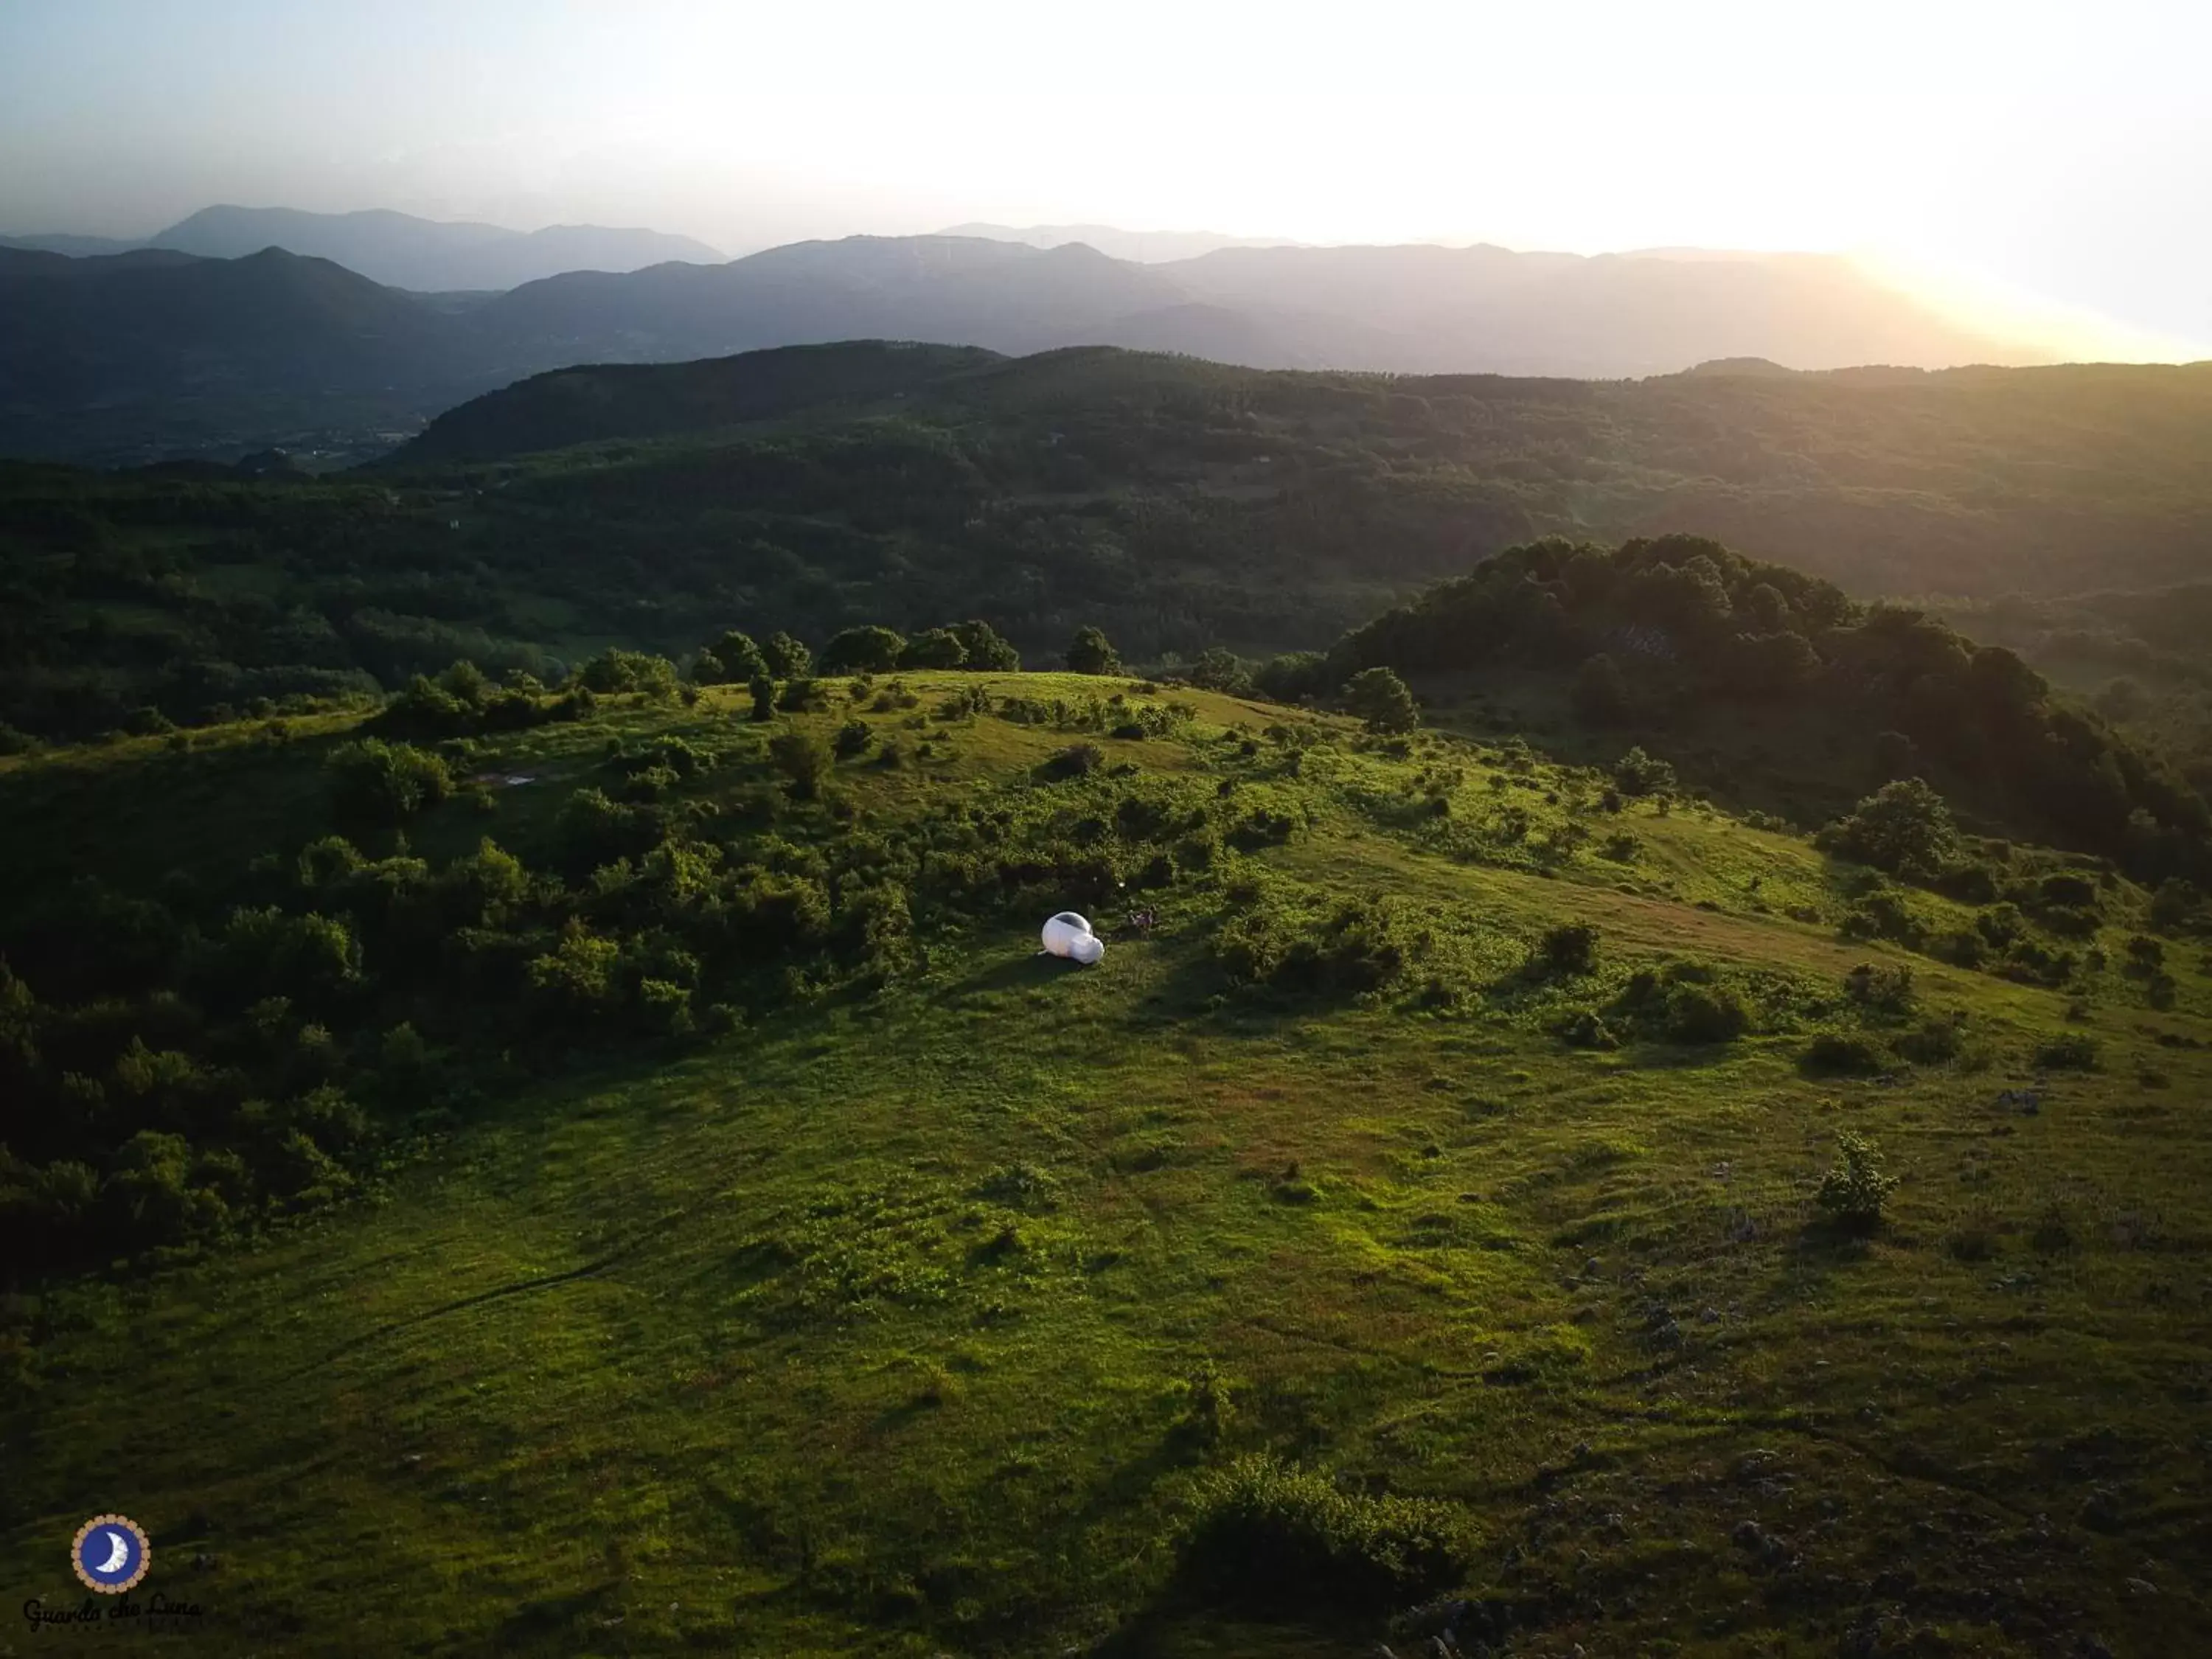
<point>872,1329</point>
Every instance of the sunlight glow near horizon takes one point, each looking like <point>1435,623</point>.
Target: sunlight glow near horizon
<point>2055,156</point>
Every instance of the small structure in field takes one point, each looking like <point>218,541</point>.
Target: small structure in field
<point>1069,935</point>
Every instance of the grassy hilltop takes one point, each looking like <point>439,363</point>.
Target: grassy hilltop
<point>729,1258</point>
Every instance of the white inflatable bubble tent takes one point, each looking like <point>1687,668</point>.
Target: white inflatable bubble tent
<point>1069,935</point>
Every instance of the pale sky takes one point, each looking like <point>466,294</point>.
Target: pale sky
<point>2064,151</point>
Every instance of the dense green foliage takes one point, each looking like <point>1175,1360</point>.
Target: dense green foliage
<point>1855,1188</point>
<point>1273,1537</point>
<point>1665,634</point>
<point>1178,506</point>
<point>259,1025</point>
<point>1380,698</point>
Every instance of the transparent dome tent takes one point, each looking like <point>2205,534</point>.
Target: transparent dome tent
<point>1069,935</point>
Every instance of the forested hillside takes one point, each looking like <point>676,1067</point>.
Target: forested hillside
<point>1180,505</point>
<point>1716,654</point>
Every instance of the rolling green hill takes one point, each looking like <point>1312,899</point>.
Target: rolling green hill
<point>1968,481</point>
<point>1180,505</point>
<point>1679,1141</point>
<point>615,1179</point>
<point>1773,686</point>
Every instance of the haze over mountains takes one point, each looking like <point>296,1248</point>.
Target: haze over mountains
<point>225,338</point>
<point>1144,246</point>
<point>400,249</point>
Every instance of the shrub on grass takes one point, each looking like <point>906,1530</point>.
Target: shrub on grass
<point>801,758</point>
<point>985,649</point>
<point>1380,698</point>
<point>1706,1014</point>
<point>1292,676</point>
<point>1090,653</point>
<point>1077,760</point>
<point>1883,913</point>
<point>615,671</point>
<point>1961,946</point>
<point>935,647</point>
<point>1903,827</point>
<point>2177,905</point>
<point>1268,1531</point>
<point>1585,1030</point>
<point>2146,956</point>
<point>858,649</point>
<point>786,659</point>
<point>1568,949</point>
<point>853,738</point>
<point>1362,946</point>
<point>1932,1041</point>
<point>1886,990</point>
<point>1220,669</point>
<point>1207,1411</point>
<point>374,781</point>
<point>1843,1054</point>
<point>1638,774</point>
<point>1855,1188</point>
<point>2073,1051</point>
<point>732,658</point>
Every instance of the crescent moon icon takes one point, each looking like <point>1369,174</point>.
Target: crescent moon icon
<point>129,1553</point>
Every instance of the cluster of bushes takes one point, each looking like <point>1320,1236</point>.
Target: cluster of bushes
<point>2029,902</point>
<point>970,644</point>
<point>1270,1534</point>
<point>1890,1027</point>
<point>1637,773</point>
<point>1688,1003</point>
<point>281,1030</point>
<point>1117,715</point>
<point>732,658</point>
<point>463,702</point>
<point>385,784</point>
<point>1355,947</point>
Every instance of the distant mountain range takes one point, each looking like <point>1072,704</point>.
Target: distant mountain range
<point>400,249</point>
<point>158,351</point>
<point>1144,247</point>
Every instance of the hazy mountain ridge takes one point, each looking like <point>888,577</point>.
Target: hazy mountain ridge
<point>1141,246</point>
<point>1412,309</point>
<point>400,250</point>
<point>164,364</point>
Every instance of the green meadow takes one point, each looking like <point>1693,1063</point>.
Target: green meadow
<point>933,1313</point>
